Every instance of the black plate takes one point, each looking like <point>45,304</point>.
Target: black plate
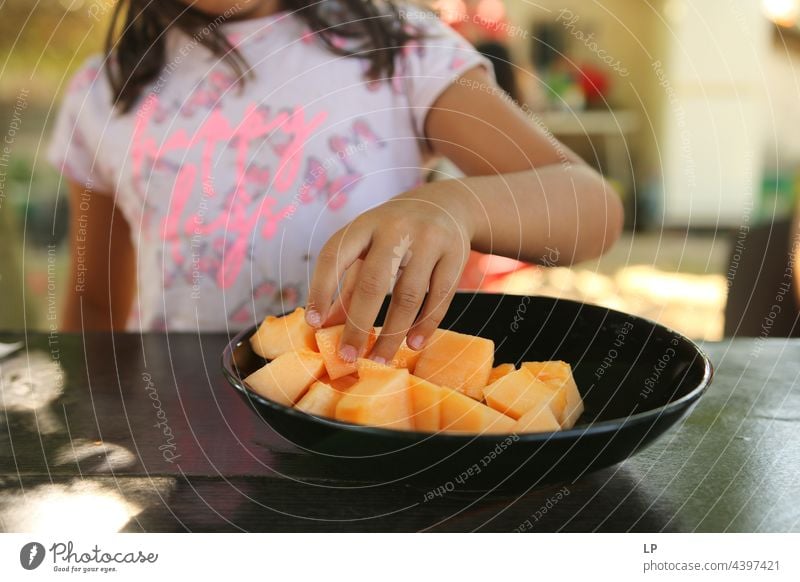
<point>637,379</point>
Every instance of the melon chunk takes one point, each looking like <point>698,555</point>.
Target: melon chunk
<point>500,371</point>
<point>328,343</point>
<point>321,399</point>
<point>405,357</point>
<point>278,335</point>
<point>425,402</point>
<point>286,378</point>
<point>458,361</point>
<point>460,413</point>
<point>538,419</point>
<point>518,392</point>
<point>380,398</point>
<point>341,384</point>
<point>558,375</point>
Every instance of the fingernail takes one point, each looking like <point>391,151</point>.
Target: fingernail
<point>313,318</point>
<point>416,342</point>
<point>348,353</point>
<point>378,360</point>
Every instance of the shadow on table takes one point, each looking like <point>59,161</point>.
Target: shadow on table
<point>595,503</point>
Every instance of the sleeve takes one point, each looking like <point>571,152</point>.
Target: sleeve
<point>432,63</point>
<point>75,141</point>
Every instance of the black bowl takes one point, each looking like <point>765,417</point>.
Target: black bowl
<point>637,379</point>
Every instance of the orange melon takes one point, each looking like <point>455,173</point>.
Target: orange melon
<point>518,392</point>
<point>380,398</point>
<point>458,361</point>
<point>558,375</point>
<point>341,384</point>
<point>328,343</point>
<point>286,378</point>
<point>405,357</point>
<point>425,402</point>
<point>321,400</point>
<point>278,335</point>
<point>500,371</point>
<point>538,419</point>
<point>460,413</point>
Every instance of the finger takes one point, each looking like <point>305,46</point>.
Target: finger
<point>336,256</point>
<point>444,282</point>
<point>370,290</point>
<point>407,298</point>
<point>338,313</point>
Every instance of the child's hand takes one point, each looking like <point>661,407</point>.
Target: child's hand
<point>423,239</point>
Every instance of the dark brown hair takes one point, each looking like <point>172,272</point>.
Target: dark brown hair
<point>135,44</point>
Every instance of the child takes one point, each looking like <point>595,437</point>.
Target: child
<point>229,159</point>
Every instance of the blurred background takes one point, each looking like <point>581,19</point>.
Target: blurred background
<point>690,107</point>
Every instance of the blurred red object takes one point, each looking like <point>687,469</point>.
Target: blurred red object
<point>476,21</point>
<point>594,83</point>
<point>482,272</point>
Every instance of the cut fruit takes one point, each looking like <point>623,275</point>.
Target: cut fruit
<point>278,335</point>
<point>460,413</point>
<point>328,344</point>
<point>321,399</point>
<point>405,356</point>
<point>500,371</point>
<point>558,376</point>
<point>380,398</point>
<point>342,384</point>
<point>286,378</point>
<point>537,419</point>
<point>458,361</point>
<point>518,392</point>
<point>425,402</point>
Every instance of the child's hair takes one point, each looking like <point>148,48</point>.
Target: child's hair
<point>138,50</point>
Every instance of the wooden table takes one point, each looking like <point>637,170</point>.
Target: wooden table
<point>145,435</point>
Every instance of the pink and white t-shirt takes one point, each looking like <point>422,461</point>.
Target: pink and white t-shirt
<point>231,191</point>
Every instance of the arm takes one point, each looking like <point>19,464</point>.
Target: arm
<point>526,196</point>
<point>98,297</point>
<point>528,192</point>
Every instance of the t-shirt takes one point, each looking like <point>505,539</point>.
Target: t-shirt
<point>230,191</point>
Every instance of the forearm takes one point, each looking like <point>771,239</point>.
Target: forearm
<point>80,315</point>
<point>98,298</point>
<point>559,213</point>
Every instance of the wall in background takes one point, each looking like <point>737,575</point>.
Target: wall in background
<point>631,33</point>
<point>782,72</point>
<point>717,98</point>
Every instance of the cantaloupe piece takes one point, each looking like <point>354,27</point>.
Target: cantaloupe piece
<point>321,399</point>
<point>425,402</point>
<point>278,335</point>
<point>538,419</point>
<point>286,378</point>
<point>341,384</point>
<point>518,392</point>
<point>458,361</point>
<point>405,357</point>
<point>462,414</point>
<point>366,367</point>
<point>500,371</point>
<point>328,344</point>
<point>558,375</point>
<point>380,398</point>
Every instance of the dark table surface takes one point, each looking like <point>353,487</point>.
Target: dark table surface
<point>136,432</point>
